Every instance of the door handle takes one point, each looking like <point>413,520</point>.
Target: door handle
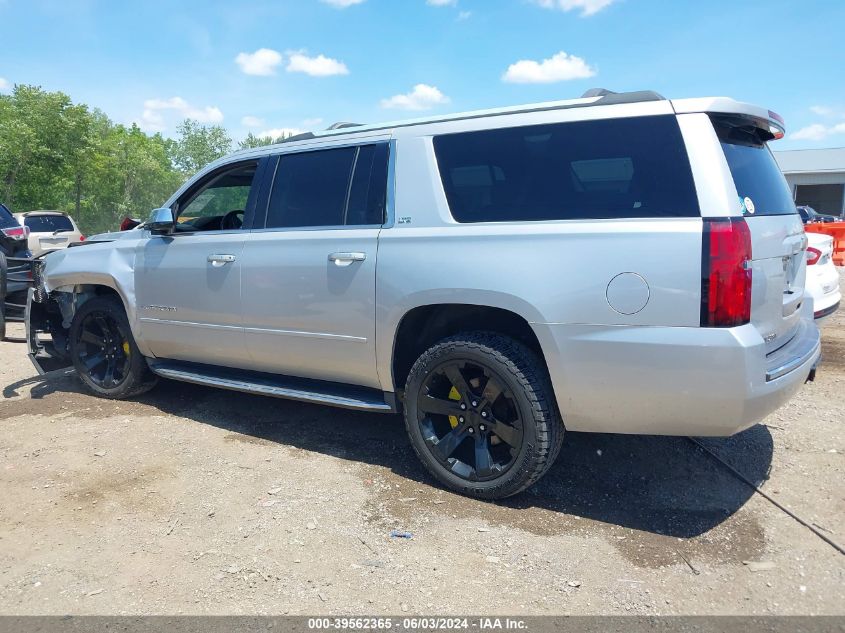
<point>221,260</point>
<point>345,259</point>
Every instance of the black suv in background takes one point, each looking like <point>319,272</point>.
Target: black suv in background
<point>13,243</point>
<point>810,216</point>
<point>13,236</point>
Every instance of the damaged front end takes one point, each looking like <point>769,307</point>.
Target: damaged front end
<point>47,319</point>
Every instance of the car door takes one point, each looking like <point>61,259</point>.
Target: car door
<point>309,273</point>
<point>188,283</point>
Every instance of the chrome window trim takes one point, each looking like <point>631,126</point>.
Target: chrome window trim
<point>335,227</point>
<point>390,200</point>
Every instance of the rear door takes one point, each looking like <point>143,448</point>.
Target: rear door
<point>309,274</point>
<point>778,242</point>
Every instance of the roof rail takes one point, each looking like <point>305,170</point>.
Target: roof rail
<point>304,136</point>
<point>608,97</point>
<point>591,98</point>
<point>340,125</point>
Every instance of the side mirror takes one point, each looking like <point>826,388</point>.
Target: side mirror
<point>161,221</point>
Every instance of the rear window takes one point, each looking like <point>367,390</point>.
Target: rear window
<point>759,182</point>
<point>48,223</point>
<point>616,168</point>
<point>6,217</point>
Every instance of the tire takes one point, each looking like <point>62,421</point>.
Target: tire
<point>100,330</point>
<point>497,430</point>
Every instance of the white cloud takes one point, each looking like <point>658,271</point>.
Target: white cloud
<point>252,121</point>
<point>821,110</point>
<point>817,132</point>
<point>441,3</point>
<point>5,86</point>
<point>341,4</point>
<point>422,97</point>
<point>313,122</point>
<point>153,119</point>
<point>464,15</point>
<point>559,67</point>
<point>262,62</point>
<point>587,7</point>
<point>319,66</point>
<point>279,132</point>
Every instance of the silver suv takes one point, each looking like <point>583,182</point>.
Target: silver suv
<point>619,263</point>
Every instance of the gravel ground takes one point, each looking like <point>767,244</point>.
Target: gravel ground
<point>196,501</point>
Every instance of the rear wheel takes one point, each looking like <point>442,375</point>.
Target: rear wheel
<point>104,353</point>
<point>481,416</point>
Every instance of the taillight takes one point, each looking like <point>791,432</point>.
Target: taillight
<point>81,237</point>
<point>17,233</point>
<point>779,129</point>
<point>813,255</point>
<point>725,273</point>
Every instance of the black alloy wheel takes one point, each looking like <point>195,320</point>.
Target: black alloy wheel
<point>103,349</point>
<point>104,352</point>
<point>469,420</point>
<point>481,414</point>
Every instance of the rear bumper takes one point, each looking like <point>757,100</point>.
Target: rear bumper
<point>822,314</point>
<point>672,381</point>
<point>823,286</point>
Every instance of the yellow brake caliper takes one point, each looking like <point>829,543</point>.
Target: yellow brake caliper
<point>126,348</point>
<point>454,395</point>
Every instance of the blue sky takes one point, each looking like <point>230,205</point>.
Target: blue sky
<point>302,64</point>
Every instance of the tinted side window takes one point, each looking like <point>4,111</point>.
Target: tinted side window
<point>616,168</point>
<point>369,186</point>
<point>311,188</point>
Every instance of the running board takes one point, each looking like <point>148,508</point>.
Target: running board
<point>277,386</point>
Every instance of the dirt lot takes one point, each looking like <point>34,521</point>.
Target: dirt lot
<point>197,501</point>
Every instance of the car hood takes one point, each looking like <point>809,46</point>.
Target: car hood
<point>112,236</point>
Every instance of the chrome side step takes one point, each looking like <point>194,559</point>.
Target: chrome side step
<point>277,386</point>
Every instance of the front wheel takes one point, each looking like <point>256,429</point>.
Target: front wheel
<point>104,353</point>
<point>481,416</point>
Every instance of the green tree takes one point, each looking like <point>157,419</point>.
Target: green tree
<point>252,141</point>
<point>55,154</point>
<point>198,145</point>
<point>40,136</point>
<point>131,175</point>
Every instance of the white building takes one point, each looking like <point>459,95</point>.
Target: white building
<point>817,177</point>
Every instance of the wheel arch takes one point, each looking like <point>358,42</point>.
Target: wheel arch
<point>104,287</point>
<point>423,325</point>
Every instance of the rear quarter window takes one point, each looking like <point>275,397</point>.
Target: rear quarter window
<point>613,168</point>
<point>757,177</point>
